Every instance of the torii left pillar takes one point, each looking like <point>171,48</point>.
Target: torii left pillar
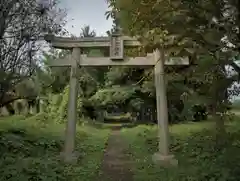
<point>163,155</point>
<point>69,153</point>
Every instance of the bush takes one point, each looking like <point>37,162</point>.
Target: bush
<point>26,156</point>
<point>199,113</point>
<point>58,105</point>
<point>42,117</point>
<point>31,150</point>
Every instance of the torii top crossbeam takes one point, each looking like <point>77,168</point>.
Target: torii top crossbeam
<point>116,45</point>
<point>88,42</point>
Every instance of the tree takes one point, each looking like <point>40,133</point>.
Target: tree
<point>87,32</point>
<point>201,37</point>
<point>23,23</point>
<point>53,79</point>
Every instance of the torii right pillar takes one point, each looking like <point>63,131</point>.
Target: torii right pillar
<point>163,156</point>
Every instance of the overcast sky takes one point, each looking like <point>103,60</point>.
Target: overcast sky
<point>86,12</point>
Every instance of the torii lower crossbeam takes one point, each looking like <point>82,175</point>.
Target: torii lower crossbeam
<point>85,61</point>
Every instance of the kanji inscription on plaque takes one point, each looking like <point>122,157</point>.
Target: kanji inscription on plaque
<point>116,47</point>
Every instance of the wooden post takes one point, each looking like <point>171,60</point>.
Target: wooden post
<point>163,156</point>
<point>69,154</point>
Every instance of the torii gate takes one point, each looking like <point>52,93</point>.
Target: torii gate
<point>116,45</point>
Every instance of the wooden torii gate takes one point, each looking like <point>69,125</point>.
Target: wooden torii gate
<point>116,44</point>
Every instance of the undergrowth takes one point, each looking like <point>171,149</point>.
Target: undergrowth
<point>30,150</point>
<point>194,145</point>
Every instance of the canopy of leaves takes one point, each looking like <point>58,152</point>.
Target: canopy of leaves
<point>201,37</point>
<point>116,95</point>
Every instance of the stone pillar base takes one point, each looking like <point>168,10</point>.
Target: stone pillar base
<point>70,158</point>
<point>164,160</point>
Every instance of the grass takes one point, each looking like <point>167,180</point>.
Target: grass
<point>194,146</point>
<point>30,149</point>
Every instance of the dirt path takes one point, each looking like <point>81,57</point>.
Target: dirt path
<point>116,165</point>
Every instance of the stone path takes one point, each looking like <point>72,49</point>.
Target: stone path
<point>116,165</point>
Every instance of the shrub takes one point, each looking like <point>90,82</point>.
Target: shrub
<point>58,105</point>
<point>42,117</point>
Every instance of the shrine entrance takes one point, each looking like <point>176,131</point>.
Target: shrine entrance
<point>116,45</point>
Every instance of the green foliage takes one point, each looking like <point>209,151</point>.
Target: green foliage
<point>61,113</point>
<point>31,151</point>
<point>53,79</point>
<point>205,83</point>
<point>54,102</point>
<point>114,95</point>
<point>194,145</point>
<point>159,24</point>
<point>104,87</point>
<point>41,118</point>
<point>27,88</point>
<point>58,105</point>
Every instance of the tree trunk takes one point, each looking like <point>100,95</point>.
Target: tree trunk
<point>220,125</point>
<point>219,102</point>
<point>5,103</point>
<point>220,129</point>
